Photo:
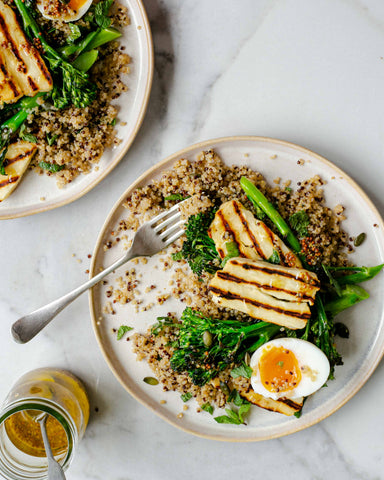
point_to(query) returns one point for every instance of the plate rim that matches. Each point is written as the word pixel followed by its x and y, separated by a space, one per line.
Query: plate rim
pixel 147 91
pixel 158 166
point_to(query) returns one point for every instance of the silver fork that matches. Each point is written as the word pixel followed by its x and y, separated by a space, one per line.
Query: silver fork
pixel 152 237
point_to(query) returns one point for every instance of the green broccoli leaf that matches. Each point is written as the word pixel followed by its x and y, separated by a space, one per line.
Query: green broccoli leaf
pixel 299 221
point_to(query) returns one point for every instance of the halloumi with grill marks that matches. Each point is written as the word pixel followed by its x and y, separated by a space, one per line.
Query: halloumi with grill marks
pixel 292 284
pixel 234 223
pixel 286 406
pixel 22 70
pixel 248 298
pixel 16 162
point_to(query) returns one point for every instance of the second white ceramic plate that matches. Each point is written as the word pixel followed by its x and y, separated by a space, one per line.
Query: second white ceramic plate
pixel 39 193
pixel 361 352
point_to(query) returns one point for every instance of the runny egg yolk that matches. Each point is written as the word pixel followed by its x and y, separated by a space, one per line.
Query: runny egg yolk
pixel 279 369
pixel 76 4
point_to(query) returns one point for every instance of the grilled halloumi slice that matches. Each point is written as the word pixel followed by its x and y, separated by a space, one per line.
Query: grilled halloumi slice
pixel 234 223
pixel 284 283
pixel 16 162
pixel 264 291
pixel 286 406
pixel 22 70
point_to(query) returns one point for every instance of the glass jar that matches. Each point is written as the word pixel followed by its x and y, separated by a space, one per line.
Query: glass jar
pixel 50 391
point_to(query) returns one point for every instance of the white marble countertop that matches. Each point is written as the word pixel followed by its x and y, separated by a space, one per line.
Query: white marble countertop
pixel 307 71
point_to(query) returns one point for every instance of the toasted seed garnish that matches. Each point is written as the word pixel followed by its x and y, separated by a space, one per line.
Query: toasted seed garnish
pixel 224 388
pixel 151 380
pixel 359 239
pixel 207 338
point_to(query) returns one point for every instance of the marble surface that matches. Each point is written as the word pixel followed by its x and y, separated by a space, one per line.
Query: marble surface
pixel 307 71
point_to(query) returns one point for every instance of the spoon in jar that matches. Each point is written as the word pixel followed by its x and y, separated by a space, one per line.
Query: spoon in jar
pixel 55 471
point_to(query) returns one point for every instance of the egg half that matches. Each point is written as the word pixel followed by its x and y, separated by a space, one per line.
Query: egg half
pixel 289 368
pixel 67 12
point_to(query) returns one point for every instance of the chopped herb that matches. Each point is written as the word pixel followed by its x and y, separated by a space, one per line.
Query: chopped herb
pixel 299 221
pixel 297 414
pixel 123 329
pixel 231 417
pixel 51 139
pixel 101 13
pixel 161 323
pixel 232 251
pixel 359 239
pixel 242 371
pixel 207 407
pixel 288 189
pixel 175 196
pixel 274 258
pixel 113 123
pixel 27 137
pixel 151 380
pixel 51 167
pixel 186 396
pixel 75 32
pixel 177 256
pixel 280 364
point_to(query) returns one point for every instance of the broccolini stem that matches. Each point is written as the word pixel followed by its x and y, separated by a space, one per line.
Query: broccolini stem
pixel 85 61
pixel 363 274
pixel 254 193
pixel 92 40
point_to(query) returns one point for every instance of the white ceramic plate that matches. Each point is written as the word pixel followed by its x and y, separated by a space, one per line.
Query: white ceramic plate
pixel 27 198
pixel 361 352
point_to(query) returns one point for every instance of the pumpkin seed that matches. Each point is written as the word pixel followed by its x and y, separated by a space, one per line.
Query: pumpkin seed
pixel 359 239
pixel 151 381
pixel 207 338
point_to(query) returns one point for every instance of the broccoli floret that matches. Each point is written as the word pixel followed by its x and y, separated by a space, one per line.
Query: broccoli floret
pixel 207 346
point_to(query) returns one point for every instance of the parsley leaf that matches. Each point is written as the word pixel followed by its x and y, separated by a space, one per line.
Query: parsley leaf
pixel 186 396
pixel 51 167
pixel 299 221
pixel 242 371
pixel 122 331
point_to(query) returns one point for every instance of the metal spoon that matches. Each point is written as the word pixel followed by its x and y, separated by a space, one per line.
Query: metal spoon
pixel 55 471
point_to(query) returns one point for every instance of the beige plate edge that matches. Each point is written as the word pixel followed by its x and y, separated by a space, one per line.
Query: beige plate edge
pixel 151 61
pixel 152 171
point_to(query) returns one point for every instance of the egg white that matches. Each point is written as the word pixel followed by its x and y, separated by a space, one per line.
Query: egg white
pixel 310 358
pixel 67 15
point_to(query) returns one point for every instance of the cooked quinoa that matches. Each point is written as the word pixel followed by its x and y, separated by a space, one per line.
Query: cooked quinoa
pixel 79 136
pixel 212 182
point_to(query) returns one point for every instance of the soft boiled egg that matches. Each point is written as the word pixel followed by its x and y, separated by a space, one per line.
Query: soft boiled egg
pixel 288 367
pixel 60 10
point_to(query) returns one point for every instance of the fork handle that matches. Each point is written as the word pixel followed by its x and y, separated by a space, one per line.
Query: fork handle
pixel 25 328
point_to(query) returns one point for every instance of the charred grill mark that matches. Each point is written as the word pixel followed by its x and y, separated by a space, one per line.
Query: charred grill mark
pixel 232 278
pixel 234 296
pixel 291 403
pixel 11 44
pixel 9 180
pixel 42 67
pixel 228 229
pixel 220 251
pixel 247 266
pixel 21 156
pixel 8 81
pixel 248 230
pixel 32 84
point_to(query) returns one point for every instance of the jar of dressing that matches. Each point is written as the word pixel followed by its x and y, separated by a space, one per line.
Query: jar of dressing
pixel 55 392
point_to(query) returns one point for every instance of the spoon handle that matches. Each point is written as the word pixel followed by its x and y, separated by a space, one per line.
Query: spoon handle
pixel 55 471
